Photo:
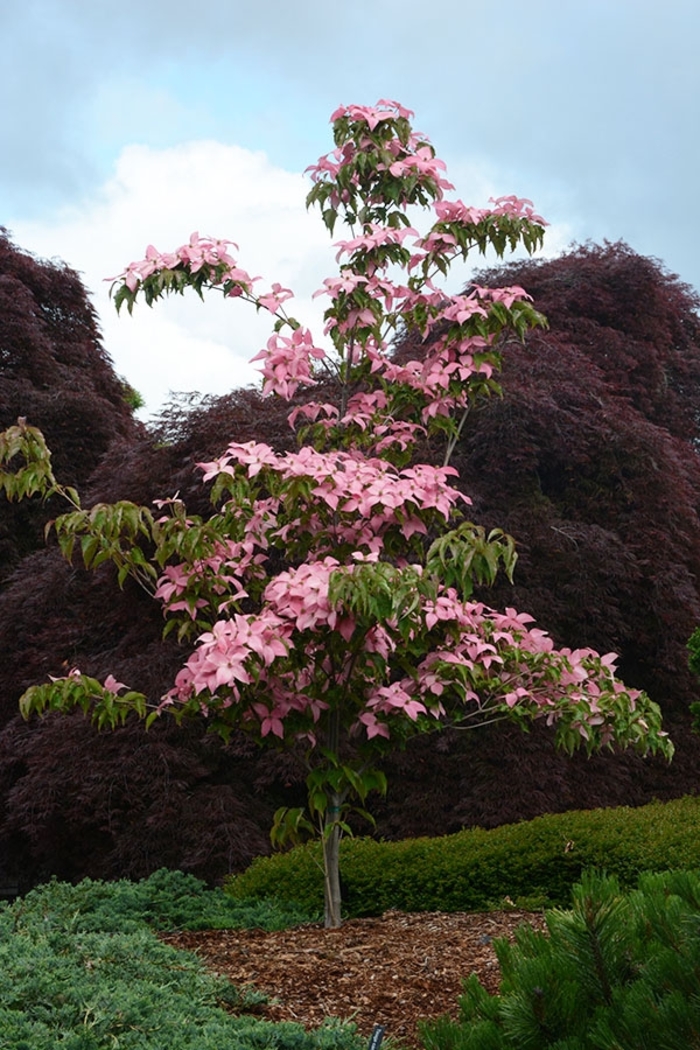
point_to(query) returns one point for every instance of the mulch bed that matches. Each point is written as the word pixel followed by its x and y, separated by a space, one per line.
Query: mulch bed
pixel 394 970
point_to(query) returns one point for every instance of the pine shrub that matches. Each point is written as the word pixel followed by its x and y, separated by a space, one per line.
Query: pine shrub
pixel 615 972
pixel 167 900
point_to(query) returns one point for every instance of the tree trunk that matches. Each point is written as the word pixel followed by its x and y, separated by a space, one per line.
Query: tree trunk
pixel 331 866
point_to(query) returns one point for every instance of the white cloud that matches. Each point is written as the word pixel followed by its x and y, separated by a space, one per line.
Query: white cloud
pixel 160 197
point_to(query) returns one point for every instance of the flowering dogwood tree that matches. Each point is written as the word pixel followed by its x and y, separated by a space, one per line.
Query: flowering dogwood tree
pixel 328 596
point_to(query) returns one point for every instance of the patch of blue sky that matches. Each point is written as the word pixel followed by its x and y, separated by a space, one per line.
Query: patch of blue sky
pixel 227 100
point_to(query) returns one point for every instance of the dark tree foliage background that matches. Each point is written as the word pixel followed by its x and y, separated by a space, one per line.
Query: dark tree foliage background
pixel 76 802
pixel 589 460
pixel 55 372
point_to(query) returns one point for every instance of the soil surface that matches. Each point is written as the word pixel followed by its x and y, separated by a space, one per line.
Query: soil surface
pixel 393 971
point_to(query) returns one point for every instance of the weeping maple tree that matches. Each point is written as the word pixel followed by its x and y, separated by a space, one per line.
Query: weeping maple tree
pixel 55 373
pixel 329 596
pixel 73 802
pixel 590 460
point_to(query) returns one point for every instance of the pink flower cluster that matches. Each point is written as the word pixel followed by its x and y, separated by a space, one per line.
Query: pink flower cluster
pixel 514 207
pixel 375 236
pixel 517 208
pixel 218 575
pixel 422 162
pixel 301 595
pixel 365 495
pixel 287 362
pixel 385 109
pixel 198 252
pixel 223 653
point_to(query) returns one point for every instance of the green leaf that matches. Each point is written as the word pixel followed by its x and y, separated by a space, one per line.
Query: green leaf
pixel 89 546
pixel 290 826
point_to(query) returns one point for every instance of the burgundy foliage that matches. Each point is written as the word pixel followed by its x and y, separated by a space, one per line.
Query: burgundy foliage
pixel 589 460
pixel 76 802
pixel 55 373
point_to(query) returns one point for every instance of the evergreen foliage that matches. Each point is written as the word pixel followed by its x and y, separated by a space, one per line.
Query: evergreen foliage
pixel 532 864
pixel 166 900
pixel 615 972
pixel 82 971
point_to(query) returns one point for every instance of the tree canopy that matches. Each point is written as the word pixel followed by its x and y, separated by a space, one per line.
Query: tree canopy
pixel 588 460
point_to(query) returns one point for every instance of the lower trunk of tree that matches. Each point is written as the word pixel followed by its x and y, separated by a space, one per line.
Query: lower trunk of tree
pixel 331 867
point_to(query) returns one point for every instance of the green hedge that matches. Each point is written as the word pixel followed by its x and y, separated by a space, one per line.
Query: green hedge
pixel 531 864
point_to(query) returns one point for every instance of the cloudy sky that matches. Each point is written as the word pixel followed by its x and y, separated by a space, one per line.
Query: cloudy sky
pixel 131 123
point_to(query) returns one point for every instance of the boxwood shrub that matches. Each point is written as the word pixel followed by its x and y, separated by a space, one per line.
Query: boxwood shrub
pixel 533 863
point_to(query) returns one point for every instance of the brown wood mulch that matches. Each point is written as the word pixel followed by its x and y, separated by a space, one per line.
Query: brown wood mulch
pixel 394 970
